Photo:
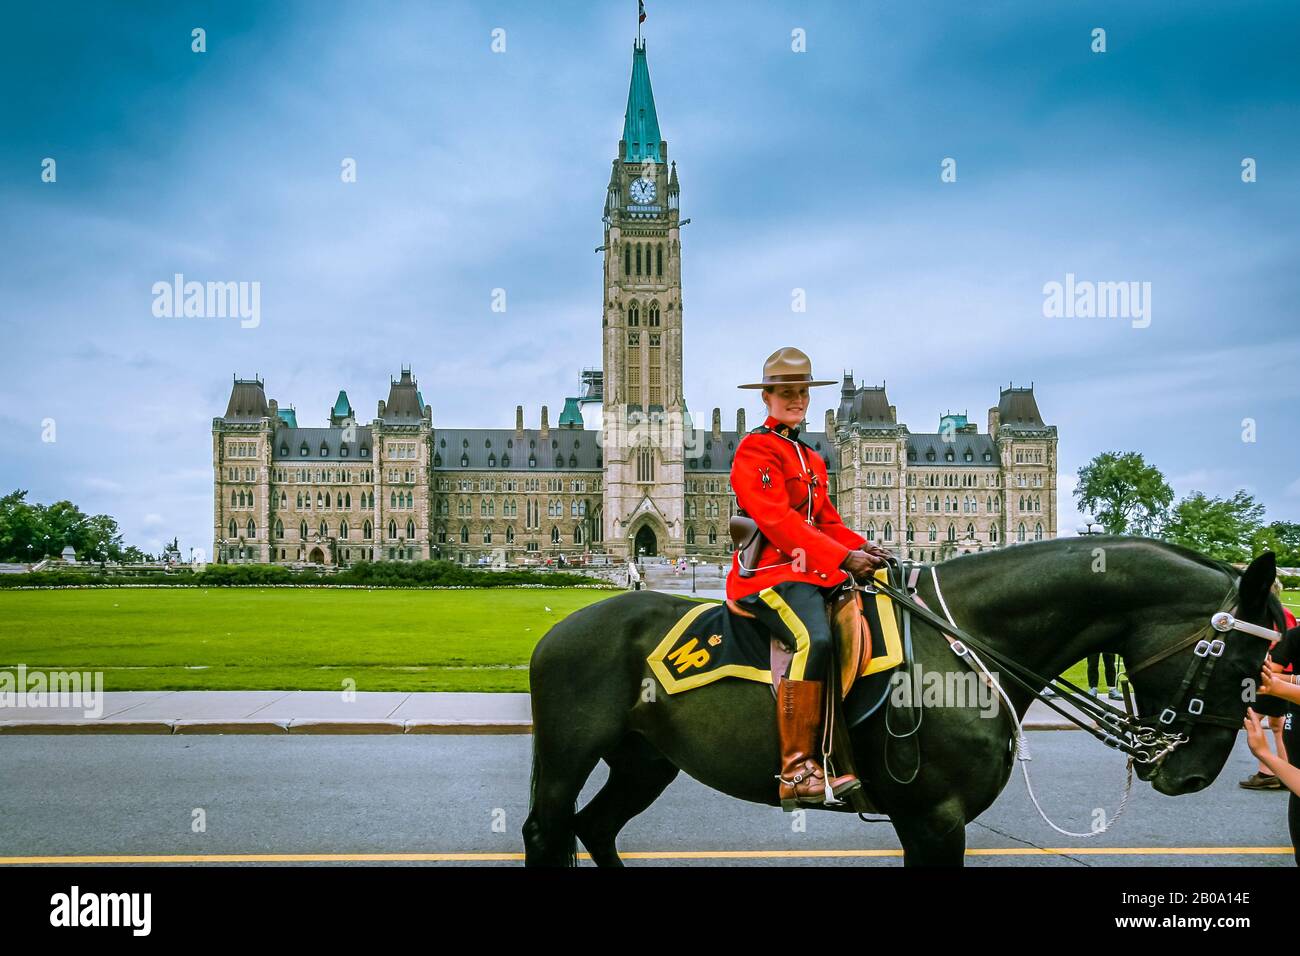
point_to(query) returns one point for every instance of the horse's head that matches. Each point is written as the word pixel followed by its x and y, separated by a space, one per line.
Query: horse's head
pixel 1161 685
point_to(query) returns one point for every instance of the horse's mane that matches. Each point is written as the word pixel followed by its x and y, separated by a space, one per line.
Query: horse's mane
pixel 1188 554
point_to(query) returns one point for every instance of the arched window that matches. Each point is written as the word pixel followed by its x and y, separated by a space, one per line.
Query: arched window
pixel 1020 532
pixel 347 500
pixel 392 499
pixel 690 535
pixel 392 530
pixel 659 260
pixel 970 531
pixel 654 314
pixel 952 532
pixel 343 531
pixel 302 530
pixel 279 528
pixel 252 529
pixel 889 531
pixel 993 533
pixel 911 532
pixel 633 315
pixel 555 532
pixel 1038 532
pixel 327 499
pixel 234 499
pixel 934 533
pixel 233 529
pixel 713 535
pixel 638 258
pixel 627 260
pixel 464 534
pixel 366 530
pixel 577 534
pixel 410 529
pixel 871 531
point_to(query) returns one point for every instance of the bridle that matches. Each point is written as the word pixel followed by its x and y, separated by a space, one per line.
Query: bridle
pixel 1147 740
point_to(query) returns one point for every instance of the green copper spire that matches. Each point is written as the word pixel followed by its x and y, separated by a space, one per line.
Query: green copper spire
pixel 640 123
pixel 571 417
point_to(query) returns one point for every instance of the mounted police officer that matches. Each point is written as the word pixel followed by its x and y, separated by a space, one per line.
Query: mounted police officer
pixel 806 551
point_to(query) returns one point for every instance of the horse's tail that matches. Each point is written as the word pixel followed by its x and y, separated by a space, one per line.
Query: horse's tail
pixel 539 845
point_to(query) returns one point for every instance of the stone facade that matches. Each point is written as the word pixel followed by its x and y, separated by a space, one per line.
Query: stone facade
pixel 645 480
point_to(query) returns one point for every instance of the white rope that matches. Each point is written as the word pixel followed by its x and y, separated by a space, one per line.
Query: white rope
pixel 1022 743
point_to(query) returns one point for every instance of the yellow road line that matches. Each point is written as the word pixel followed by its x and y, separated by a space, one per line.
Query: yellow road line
pixel 644 855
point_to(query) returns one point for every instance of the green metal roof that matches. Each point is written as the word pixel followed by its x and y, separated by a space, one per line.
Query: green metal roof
pixel 572 414
pixel 419 398
pixel 341 405
pixel 289 417
pixel 640 123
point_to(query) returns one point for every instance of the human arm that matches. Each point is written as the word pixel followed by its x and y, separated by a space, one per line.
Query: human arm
pixel 769 505
pixel 1286 774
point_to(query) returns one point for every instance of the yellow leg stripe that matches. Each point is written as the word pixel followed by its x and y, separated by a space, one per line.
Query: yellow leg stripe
pixel 791 620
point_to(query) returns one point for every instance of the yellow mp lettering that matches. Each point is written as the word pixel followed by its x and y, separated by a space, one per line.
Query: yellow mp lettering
pixel 686 656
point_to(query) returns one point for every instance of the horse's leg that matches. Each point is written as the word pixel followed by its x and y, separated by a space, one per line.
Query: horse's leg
pixel 934 836
pixel 560 768
pixel 637 776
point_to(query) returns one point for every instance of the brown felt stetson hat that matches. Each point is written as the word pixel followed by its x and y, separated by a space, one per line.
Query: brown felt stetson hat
pixel 787 366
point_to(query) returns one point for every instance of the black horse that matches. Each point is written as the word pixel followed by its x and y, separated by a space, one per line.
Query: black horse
pixel 1044 605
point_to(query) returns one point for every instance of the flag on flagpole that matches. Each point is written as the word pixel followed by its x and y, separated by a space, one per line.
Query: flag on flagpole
pixel 640 11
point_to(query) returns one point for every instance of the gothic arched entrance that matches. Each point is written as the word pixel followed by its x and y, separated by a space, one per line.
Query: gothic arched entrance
pixel 317 556
pixel 645 543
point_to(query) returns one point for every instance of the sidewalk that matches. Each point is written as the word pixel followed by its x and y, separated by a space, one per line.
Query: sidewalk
pixel 312 712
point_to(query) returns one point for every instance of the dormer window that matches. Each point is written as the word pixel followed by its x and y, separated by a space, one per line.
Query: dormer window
pixel 969 456
pixel 505 461
pixel 365 451
pixel 284 451
pixel 304 450
pixel 324 450
pixel 464 460
pixel 947 456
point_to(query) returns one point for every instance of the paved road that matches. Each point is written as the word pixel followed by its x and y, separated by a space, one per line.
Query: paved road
pixel 435 795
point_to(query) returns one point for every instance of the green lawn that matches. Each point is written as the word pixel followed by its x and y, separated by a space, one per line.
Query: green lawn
pixel 282 639
pixel 277 638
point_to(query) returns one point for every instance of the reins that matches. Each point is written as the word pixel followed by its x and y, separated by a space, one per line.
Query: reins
pixel 1143 740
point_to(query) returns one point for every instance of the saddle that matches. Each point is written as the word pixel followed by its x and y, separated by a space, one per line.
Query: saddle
pixel 852 637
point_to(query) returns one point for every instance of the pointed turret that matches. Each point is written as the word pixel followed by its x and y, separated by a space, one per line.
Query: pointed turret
pixel 641 140
pixel 342 411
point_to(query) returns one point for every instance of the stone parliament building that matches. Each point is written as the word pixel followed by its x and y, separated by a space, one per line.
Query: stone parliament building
pixel 647 481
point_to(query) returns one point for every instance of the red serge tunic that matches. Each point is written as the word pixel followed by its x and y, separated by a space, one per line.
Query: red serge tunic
pixel 781 483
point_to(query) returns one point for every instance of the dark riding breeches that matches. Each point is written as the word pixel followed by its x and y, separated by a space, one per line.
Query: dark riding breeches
pixel 795 611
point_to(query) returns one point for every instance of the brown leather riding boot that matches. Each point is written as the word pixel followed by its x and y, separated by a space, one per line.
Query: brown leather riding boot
pixel 799 718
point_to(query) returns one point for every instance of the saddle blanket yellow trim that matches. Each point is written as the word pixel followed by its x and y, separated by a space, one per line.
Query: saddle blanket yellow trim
pixel 701 647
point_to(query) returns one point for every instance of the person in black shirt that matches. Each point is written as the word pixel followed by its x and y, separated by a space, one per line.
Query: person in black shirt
pixel 1278 684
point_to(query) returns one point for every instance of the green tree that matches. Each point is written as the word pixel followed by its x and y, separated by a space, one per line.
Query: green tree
pixel 1227 529
pixel 1285 539
pixel 1124 493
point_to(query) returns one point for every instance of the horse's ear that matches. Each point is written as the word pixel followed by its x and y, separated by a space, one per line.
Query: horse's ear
pixel 1257 580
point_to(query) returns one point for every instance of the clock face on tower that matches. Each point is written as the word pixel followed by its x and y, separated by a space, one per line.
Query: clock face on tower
pixel 643 191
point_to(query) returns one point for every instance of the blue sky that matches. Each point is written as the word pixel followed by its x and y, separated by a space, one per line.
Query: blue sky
pixel 479 170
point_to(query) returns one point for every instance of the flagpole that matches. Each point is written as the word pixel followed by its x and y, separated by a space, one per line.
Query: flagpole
pixel 638 23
